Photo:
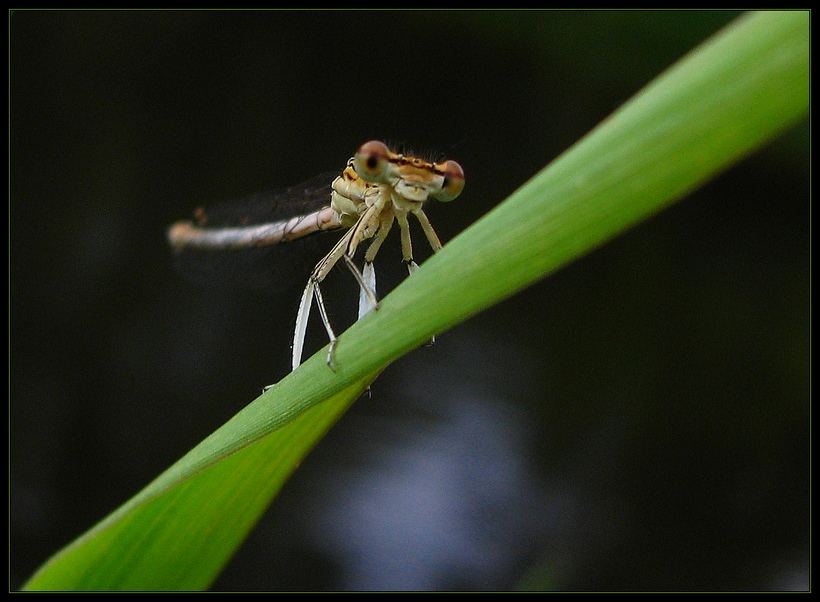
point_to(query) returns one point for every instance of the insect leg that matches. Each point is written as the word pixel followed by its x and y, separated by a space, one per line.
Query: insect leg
pixel 406 243
pixel 312 290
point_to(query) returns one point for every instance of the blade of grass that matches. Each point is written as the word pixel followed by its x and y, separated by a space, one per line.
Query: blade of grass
pixel 178 533
pixel 728 97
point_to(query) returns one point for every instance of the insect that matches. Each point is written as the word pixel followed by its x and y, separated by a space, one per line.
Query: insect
pixel 377 188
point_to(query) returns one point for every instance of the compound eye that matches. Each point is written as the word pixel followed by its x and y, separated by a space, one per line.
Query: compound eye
pixel 371 161
pixel 453 182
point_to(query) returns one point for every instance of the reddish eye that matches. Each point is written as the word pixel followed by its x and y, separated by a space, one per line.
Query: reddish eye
pixel 371 160
pixel 453 182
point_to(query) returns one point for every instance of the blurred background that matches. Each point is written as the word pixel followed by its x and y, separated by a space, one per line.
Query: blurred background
pixel 637 421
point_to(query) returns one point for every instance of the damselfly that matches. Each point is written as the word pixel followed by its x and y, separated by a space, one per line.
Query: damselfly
pixel 377 188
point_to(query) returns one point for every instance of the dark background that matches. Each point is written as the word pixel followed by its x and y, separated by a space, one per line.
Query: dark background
pixel 637 421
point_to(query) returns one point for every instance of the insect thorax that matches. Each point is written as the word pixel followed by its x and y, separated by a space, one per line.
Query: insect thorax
pixel 350 195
